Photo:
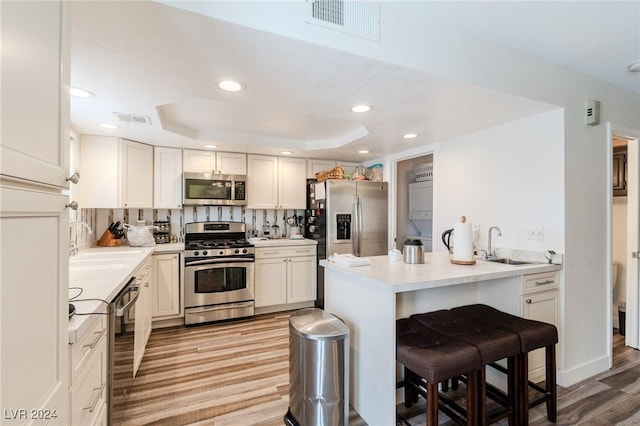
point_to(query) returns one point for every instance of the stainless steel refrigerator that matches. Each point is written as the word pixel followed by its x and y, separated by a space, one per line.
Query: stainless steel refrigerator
pixel 346 216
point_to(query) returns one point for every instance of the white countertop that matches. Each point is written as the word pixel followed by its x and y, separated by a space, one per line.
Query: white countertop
pixel 437 271
pixel 282 242
pixel 101 273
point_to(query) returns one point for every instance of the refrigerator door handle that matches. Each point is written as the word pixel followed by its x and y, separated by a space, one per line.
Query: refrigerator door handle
pixel 357 238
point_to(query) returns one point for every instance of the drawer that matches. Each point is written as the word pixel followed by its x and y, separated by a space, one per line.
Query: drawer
pixel 281 252
pixel 89 393
pixel 540 282
pixel 83 349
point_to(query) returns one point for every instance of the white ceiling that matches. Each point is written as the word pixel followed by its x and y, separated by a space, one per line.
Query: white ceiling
pixel 158 61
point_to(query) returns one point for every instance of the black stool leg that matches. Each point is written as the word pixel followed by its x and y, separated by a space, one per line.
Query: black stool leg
pixel 432 404
pixel 550 383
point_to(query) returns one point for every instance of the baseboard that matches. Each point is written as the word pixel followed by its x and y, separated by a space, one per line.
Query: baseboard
pixel 568 377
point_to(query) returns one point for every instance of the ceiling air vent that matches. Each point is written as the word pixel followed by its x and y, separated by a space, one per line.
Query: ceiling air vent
pixel 353 17
pixel 133 119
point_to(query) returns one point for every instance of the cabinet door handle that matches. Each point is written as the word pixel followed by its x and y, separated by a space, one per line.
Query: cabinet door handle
pixel 98 396
pixel 98 335
pixel 528 301
pixel 545 282
pixel 74 178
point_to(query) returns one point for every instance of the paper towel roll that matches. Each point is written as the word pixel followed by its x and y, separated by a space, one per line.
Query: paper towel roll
pixel 462 242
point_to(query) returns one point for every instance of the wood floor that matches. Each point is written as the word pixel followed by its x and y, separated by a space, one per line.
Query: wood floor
pixel 237 374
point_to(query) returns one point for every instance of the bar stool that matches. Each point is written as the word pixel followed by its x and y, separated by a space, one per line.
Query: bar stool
pixel 493 344
pixel 432 357
pixel 533 335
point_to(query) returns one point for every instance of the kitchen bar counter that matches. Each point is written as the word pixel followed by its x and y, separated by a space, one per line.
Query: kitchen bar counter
pixel 370 299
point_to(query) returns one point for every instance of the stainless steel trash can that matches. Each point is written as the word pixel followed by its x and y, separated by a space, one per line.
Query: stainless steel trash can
pixel 318 369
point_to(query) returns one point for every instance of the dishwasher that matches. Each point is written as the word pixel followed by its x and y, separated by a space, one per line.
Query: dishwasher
pixel 121 341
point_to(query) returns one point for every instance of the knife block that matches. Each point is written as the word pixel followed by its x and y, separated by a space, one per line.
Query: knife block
pixel 108 240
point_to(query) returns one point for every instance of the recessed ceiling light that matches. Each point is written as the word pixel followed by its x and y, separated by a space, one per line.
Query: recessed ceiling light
pixel 361 108
pixel 80 93
pixel 286 152
pixel 210 146
pixel 409 136
pixel 109 126
pixel 363 151
pixel 230 85
pixel 634 66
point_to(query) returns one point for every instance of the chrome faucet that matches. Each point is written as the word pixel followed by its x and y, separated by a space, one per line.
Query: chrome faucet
pixel 85 224
pixel 73 249
pixel 491 253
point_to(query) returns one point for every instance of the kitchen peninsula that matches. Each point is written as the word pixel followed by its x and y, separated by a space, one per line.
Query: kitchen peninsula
pixel 370 298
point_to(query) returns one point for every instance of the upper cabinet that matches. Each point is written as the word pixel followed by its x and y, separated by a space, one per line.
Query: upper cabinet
pixel 167 178
pixel 620 171
pixel 226 163
pixel 276 182
pixel 115 173
pixel 35 97
pixel 314 166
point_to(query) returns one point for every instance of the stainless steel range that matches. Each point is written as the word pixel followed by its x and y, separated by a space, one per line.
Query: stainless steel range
pixel 218 272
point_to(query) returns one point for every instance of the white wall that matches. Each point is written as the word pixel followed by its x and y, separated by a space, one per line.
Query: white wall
pixel 509 176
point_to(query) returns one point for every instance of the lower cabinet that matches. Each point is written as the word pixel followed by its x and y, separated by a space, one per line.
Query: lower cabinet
pixel 89 376
pixel 166 289
pixel 540 298
pixel 285 276
pixel 142 314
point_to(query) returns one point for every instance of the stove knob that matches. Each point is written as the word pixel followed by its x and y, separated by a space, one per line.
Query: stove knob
pixel 236 251
pixel 244 250
pixel 196 253
pixel 204 253
pixel 221 253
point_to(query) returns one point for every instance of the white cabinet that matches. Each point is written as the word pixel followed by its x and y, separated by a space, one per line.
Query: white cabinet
pixel 167 178
pixel 115 173
pixel 89 375
pixel 34 353
pixel 540 298
pixel 314 166
pixel 227 163
pixel 166 288
pixel 285 275
pixel 142 314
pixel 348 166
pixel 276 182
pixel 35 97
pixel 34 357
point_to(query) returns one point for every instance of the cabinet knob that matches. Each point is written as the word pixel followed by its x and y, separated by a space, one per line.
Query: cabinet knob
pixel 72 205
pixel 528 301
pixel 74 178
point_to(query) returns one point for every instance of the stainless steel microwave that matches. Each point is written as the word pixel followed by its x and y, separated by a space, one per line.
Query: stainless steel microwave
pixel 210 189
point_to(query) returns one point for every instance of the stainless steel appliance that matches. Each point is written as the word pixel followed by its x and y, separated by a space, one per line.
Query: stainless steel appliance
pixel 346 216
pixel 209 189
pixel 121 350
pixel 218 272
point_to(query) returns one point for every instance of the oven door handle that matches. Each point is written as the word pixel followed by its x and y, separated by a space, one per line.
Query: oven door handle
pixel 195 311
pixel 119 312
pixel 217 261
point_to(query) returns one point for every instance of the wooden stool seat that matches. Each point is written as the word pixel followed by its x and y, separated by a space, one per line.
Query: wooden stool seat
pixel 533 335
pixel 435 358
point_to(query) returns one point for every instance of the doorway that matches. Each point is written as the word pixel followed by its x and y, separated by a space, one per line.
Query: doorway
pixel 624 232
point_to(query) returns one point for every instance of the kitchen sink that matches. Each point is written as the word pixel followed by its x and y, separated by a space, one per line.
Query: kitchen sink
pixel 509 261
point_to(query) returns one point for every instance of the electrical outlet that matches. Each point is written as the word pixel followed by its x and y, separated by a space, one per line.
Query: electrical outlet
pixel 535 233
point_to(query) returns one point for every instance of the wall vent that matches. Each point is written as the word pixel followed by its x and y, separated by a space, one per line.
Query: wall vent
pixel 133 119
pixel 353 17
